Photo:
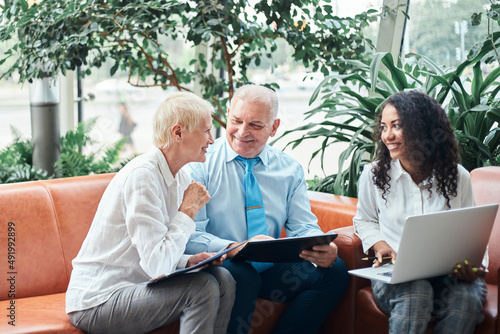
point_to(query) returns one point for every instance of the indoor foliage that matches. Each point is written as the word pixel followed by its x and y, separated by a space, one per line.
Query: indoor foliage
pixel 55 36
pixel 350 102
pixel 16 164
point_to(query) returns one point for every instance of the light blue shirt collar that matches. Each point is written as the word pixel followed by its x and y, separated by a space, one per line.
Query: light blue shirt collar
pixel 222 220
pixel 231 154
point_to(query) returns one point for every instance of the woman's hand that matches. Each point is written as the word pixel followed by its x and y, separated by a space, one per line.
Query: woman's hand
pixel 197 258
pixel 382 249
pixel 195 197
pixel 465 272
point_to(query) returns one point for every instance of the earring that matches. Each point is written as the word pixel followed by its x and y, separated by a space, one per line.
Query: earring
pixel 180 140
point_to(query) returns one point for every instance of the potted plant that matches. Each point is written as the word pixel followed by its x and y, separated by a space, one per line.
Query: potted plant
pixel 350 102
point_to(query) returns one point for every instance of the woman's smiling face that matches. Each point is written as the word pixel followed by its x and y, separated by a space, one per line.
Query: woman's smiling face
pixel 392 133
pixel 196 142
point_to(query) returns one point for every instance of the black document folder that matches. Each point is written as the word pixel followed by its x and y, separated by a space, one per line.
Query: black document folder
pixel 281 250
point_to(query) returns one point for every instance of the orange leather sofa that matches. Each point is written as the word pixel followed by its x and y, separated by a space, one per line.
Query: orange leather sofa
pixel 368 318
pixel 42 227
pixel 43 224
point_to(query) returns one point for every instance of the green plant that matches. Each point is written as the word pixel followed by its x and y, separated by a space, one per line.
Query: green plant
pixel 16 163
pixel 350 103
pixel 474 105
pixel 19 152
pixel 55 36
pixel 492 16
pixel 21 173
pixel 73 162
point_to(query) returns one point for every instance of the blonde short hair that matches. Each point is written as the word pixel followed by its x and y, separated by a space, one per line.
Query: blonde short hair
pixel 182 108
pixel 257 93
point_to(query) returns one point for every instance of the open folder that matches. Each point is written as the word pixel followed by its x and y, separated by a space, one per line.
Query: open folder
pixel 194 268
pixel 281 250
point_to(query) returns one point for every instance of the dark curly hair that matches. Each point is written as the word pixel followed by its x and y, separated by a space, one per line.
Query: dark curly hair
pixel 429 142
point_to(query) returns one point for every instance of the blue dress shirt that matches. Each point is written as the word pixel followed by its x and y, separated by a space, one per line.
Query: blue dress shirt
pixel 222 221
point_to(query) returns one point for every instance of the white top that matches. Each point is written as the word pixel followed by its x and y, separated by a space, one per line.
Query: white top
pixel 137 233
pixel 377 220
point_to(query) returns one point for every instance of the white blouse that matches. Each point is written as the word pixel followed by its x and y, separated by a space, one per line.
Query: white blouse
pixel 378 220
pixel 137 233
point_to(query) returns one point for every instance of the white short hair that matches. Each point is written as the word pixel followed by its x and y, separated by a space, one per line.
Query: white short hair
pixel 257 93
pixel 182 108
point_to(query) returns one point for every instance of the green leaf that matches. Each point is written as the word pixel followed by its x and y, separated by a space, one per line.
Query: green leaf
pixel 494 114
pixel 477 81
pixel 24 5
pixel 476 19
pixel 213 22
pixel 490 79
pixel 114 68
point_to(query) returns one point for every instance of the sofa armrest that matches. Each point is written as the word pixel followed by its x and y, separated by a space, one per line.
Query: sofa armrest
pixel 498 303
pixel 341 319
pixel 351 252
pixel 350 249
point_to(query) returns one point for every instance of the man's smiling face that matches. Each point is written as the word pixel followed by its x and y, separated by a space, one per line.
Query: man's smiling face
pixel 249 126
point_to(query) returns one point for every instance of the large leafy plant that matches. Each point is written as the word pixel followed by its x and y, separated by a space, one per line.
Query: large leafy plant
pixel 55 36
pixel 350 103
pixel 16 164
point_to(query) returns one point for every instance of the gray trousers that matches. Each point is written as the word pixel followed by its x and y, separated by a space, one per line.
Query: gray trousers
pixel 202 301
pixel 455 305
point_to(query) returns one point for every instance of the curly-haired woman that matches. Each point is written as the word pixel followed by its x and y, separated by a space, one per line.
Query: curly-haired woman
pixel 416 171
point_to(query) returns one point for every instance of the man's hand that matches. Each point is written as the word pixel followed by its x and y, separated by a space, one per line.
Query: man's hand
pixel 322 255
pixel 195 197
pixel 200 257
pixel 235 251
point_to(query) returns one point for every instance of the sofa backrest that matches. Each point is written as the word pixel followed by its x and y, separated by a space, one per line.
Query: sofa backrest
pixel 75 204
pixel 332 211
pixel 47 221
pixel 30 241
pixel 486 186
pixel 42 227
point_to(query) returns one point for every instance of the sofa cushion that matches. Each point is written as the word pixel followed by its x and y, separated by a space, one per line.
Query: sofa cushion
pixel 42 314
pixel 37 265
pixel 46 314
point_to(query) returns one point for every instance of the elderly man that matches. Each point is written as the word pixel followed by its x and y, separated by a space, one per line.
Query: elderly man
pixel 256 190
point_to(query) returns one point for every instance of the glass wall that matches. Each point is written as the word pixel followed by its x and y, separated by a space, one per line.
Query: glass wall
pixel 439 29
pixel 442 30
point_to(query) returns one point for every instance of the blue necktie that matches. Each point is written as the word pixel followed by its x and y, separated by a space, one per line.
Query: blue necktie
pixel 254 207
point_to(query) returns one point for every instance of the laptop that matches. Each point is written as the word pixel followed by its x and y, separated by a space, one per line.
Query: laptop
pixel 432 244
